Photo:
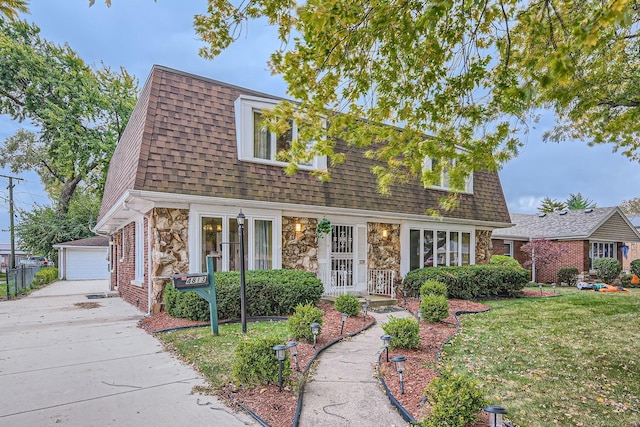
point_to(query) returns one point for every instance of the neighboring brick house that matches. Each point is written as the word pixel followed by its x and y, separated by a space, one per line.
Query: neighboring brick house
pixel 194 155
pixel 588 234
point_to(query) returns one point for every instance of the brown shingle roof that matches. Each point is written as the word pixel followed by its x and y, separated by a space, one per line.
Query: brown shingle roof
pixel 98 241
pixel 181 139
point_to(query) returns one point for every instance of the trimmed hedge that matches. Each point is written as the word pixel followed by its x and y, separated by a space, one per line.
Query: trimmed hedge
pixel 471 281
pixel 269 293
pixel 256 364
pixel 608 269
pixel 45 275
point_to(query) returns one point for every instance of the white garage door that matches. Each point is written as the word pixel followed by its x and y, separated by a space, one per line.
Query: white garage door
pixel 83 263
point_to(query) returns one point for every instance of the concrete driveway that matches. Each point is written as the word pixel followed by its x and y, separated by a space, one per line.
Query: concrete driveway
pixel 67 360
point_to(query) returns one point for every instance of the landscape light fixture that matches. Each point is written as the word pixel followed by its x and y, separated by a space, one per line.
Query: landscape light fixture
pixel 495 415
pixel 404 294
pixel 343 317
pixel 281 353
pixel 243 292
pixel 386 341
pixel 293 349
pixel 419 315
pixel 385 233
pixel 540 286
pixel 315 329
pixel 553 285
pixel 364 310
pixel 400 363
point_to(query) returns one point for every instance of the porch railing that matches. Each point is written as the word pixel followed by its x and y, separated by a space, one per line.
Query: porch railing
pixel 338 282
pixel 381 282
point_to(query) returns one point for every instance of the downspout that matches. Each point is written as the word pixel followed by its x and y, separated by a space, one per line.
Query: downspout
pixel 533 263
pixel 149 285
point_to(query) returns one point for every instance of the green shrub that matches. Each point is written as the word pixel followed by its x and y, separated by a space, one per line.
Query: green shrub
pixel 625 279
pixel 431 287
pixel 568 275
pixel 505 261
pixel 303 316
pixel 608 269
pixel 434 308
pixel 635 267
pixel 256 364
pixel 455 400
pixel 45 275
pixel 404 332
pixel 471 281
pixel 269 293
pixel 187 305
pixel 347 303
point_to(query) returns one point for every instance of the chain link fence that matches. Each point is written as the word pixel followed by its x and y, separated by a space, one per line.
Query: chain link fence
pixel 20 279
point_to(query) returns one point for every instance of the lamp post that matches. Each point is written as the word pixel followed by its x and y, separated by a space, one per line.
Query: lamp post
pixel 281 351
pixel 293 348
pixel 243 296
pixel 495 415
pixel 315 329
pixel 400 363
pixel 386 341
pixel 343 317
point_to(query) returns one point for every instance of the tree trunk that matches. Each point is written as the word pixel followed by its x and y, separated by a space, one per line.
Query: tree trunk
pixel 68 189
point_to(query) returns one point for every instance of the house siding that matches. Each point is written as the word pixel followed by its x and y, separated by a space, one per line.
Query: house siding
pixel 135 294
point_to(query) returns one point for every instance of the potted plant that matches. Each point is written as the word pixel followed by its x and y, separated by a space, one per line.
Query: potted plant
pixel 323 228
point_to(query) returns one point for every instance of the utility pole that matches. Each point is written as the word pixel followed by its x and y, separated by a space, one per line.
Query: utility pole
pixel 12 257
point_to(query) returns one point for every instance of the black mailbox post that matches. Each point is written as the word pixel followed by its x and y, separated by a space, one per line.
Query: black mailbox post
pixel 203 285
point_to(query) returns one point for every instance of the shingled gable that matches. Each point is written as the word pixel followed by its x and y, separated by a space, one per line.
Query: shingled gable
pixel 607 223
pixel 181 139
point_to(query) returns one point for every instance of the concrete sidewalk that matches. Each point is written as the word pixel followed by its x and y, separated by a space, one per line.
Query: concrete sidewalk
pixel 72 361
pixel 343 389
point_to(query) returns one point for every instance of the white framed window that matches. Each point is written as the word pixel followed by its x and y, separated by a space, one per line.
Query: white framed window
pixel 508 248
pixel 256 143
pixel 443 184
pixel 602 250
pixel 219 237
pixel 139 250
pixel 432 248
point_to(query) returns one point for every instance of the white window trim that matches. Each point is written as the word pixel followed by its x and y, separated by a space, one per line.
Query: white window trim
pixel 510 243
pixel 405 250
pixel 428 163
pixel 244 108
pixel 139 252
pixel 592 242
pixel 195 238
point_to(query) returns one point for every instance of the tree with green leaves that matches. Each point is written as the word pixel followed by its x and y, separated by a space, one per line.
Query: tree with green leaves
pixel 466 73
pixel 548 205
pixel 631 206
pixel 576 202
pixel 45 226
pixel 11 8
pixel 77 113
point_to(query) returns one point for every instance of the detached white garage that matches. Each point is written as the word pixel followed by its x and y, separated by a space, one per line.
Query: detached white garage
pixel 83 259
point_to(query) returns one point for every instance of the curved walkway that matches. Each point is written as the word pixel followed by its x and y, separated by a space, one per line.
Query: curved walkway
pixel 343 390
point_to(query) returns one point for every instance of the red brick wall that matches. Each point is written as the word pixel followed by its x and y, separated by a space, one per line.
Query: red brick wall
pixel 125 271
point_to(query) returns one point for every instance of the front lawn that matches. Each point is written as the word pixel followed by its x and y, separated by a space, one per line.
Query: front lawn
pixel 572 360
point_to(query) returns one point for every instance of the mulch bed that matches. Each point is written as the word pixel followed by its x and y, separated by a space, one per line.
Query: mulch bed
pixel 278 408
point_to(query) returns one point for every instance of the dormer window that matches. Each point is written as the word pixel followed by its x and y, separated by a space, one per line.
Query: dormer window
pixel 443 184
pixel 256 143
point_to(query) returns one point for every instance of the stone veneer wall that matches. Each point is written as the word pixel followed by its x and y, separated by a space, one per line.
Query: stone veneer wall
pixel 483 246
pixel 169 249
pixel 383 254
pixel 299 249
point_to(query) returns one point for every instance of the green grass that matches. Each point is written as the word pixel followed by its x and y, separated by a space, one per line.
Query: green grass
pixel 213 355
pixel 572 360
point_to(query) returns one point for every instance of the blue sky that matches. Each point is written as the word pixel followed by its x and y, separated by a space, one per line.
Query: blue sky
pixel 136 34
